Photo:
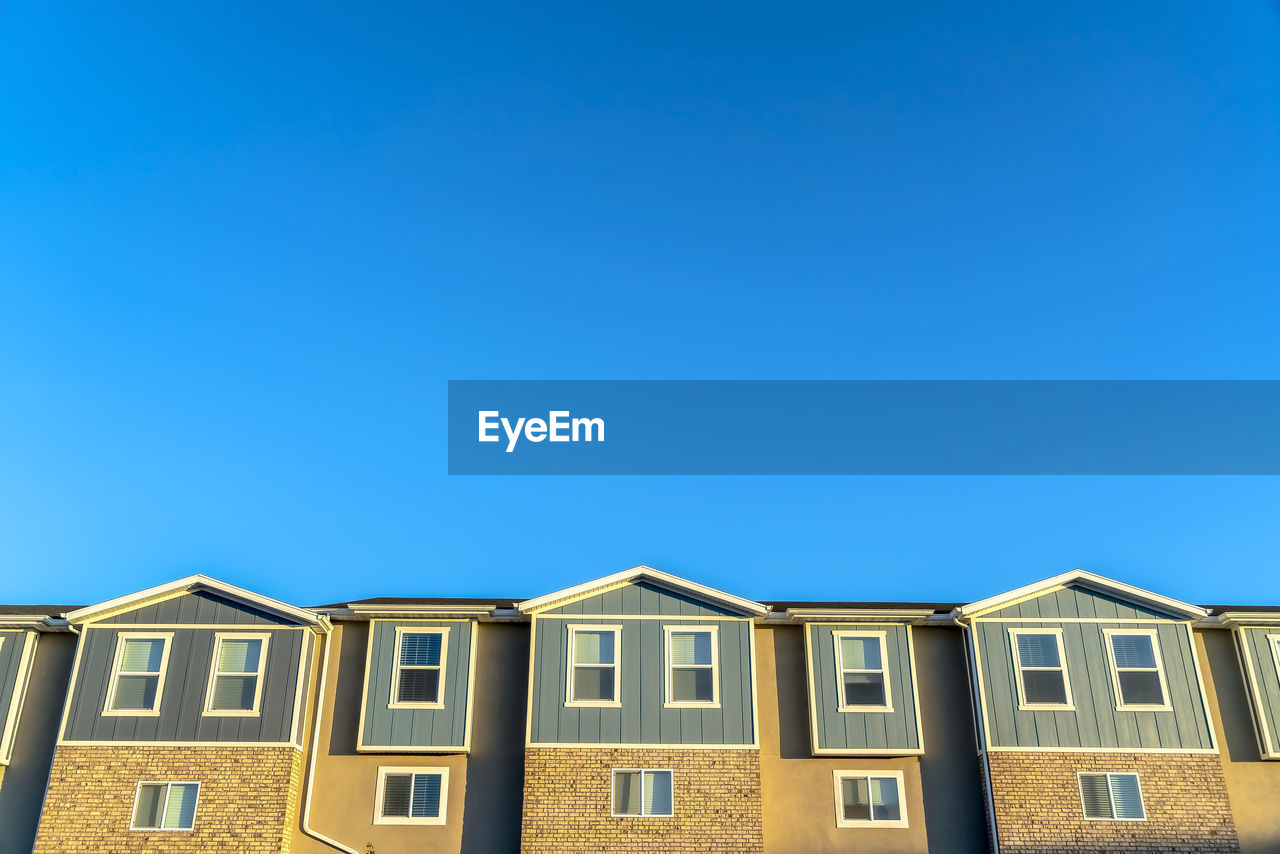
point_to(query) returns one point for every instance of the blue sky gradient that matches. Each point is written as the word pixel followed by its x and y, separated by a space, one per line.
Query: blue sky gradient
pixel 244 246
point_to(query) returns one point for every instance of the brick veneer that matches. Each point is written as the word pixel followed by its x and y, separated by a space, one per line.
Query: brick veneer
pixel 248 799
pixel 568 790
pixel 1038 808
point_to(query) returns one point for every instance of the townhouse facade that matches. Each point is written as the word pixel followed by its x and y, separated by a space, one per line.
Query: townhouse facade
pixel 640 712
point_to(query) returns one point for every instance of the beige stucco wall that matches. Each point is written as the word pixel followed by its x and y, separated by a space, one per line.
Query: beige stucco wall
pixel 942 795
pixel 1253 784
pixel 345 782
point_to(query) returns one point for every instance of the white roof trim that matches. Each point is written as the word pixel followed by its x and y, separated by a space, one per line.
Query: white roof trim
pixel 165 591
pixel 648 573
pixel 1086 579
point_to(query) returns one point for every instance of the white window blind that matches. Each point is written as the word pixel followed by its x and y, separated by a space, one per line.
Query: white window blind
pixel 1112 796
pixel 137 680
pixel 870 799
pixel 411 796
pixel 237 674
pixel 692 667
pixel 420 667
pixel 1040 668
pixel 1137 670
pixel 642 792
pixel 165 806
pixel 863 678
pixel 595 660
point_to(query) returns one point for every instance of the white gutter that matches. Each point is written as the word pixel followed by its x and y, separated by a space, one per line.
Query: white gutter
pixel 327 640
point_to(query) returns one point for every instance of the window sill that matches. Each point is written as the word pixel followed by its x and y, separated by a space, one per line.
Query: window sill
pixel 410 821
pixel 874 825
pixel 1132 708
pixel 593 704
pixel 439 705
pixel 130 713
pixel 883 710
pixel 690 704
pixel 1045 707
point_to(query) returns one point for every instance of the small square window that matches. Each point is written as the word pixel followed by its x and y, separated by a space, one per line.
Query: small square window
pixel 165 806
pixel 869 799
pixel 411 796
pixel 1112 797
pixel 642 793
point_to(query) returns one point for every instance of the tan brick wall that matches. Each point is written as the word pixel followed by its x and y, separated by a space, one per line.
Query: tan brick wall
pixel 1038 808
pixel 567 802
pixel 248 799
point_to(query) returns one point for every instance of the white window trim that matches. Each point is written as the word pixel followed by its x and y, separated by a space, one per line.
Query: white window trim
pixel 883 639
pixel 384 770
pixel 1110 795
pixel 616 702
pixel 401 631
pixel 613 783
pixel 1121 705
pixel 260 674
pixel 668 701
pixel 838 776
pixel 164 807
pixel 1023 705
pixel 154 711
pixel 1273 641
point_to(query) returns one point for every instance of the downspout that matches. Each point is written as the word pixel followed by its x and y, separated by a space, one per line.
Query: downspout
pixel 980 733
pixel 326 639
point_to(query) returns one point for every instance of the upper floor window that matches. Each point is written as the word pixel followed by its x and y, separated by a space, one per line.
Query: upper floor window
pixel 1041 668
pixel 861 671
pixel 692 671
pixel 138 674
pixel 593 665
pixel 417 679
pixel 165 806
pixel 1112 797
pixel 235 686
pixel 642 792
pixel 411 796
pixel 869 799
pixel 1136 669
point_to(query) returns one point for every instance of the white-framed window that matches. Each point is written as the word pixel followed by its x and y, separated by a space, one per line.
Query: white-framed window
pixel 165 806
pixel 862 672
pixel 1112 797
pixel 137 674
pixel 1137 671
pixel 417 678
pixel 1040 661
pixel 235 679
pixel 594 652
pixel 411 796
pixel 869 799
pixel 693 665
pixel 642 793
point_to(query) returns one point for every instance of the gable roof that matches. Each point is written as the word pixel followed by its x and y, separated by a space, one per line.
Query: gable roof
pixel 191 583
pixel 653 576
pixel 1091 580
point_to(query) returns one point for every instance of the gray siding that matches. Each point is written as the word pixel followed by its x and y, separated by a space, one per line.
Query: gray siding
pixel 643 598
pixel 642 719
pixel 1077 601
pixel 382 726
pixel 199 607
pixel 1264 680
pixel 1094 722
pixel 11 648
pixel 182 700
pixel 856 730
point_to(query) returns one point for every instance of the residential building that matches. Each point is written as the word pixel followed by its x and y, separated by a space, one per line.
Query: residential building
pixel 640 712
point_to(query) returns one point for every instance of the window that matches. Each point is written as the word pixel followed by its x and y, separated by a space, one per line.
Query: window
pixel 411 796
pixel 1136 670
pixel 1275 650
pixel 593 665
pixel 417 680
pixel 165 806
pixel 1112 797
pixel 1041 669
pixel 861 671
pixel 642 793
pixel 869 799
pixel 235 686
pixel 692 666
pixel 138 674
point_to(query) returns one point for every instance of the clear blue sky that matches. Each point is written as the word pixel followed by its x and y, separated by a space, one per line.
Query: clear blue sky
pixel 244 245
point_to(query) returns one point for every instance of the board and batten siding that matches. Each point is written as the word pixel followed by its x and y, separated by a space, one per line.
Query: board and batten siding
pixel 861 731
pixel 13 644
pixel 642 717
pixel 1094 723
pixel 199 607
pixel 186 683
pixel 404 729
pixel 1256 647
